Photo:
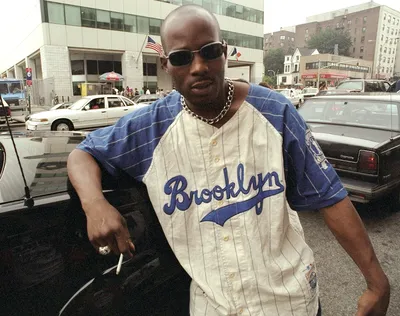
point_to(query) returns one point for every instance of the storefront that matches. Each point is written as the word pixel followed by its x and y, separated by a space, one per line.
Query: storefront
pixel 331 79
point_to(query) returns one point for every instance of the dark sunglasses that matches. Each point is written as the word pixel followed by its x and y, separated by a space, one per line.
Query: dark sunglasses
pixel 184 57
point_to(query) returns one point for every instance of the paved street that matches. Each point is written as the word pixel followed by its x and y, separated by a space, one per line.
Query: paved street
pixel 340 280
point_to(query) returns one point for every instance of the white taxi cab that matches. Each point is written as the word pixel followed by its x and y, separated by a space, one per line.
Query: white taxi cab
pixel 89 112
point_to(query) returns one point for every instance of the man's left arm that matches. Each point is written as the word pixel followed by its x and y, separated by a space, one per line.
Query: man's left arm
pixel 345 223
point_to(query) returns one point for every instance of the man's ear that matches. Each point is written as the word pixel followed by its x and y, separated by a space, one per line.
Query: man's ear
pixel 164 64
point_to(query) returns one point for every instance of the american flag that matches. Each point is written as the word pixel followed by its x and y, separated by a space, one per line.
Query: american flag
pixel 154 46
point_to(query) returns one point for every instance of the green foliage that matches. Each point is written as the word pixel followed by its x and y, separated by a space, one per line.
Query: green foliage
pixel 271 80
pixel 326 39
pixel 274 60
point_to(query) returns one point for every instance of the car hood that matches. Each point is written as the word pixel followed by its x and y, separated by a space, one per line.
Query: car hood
pixel 43 157
pixel 54 113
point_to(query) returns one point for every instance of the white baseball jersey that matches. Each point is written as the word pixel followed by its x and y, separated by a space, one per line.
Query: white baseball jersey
pixel 225 198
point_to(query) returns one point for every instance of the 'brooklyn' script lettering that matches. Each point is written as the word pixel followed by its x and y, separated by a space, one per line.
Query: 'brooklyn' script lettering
pixel 266 185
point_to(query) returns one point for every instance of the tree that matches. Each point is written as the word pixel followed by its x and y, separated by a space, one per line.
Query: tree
pixel 325 41
pixel 270 80
pixel 274 60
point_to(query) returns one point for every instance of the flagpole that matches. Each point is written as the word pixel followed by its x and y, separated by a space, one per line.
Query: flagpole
pixel 141 50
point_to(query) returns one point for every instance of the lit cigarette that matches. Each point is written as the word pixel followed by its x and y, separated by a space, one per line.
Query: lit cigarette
pixel 121 257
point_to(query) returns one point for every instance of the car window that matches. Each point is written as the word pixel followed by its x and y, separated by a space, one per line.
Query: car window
pixel 128 102
pixel 373 86
pixel 350 85
pixel 96 104
pixel 378 114
pixel 115 102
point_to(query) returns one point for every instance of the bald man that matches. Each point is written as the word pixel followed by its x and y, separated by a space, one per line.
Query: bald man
pixel 227 166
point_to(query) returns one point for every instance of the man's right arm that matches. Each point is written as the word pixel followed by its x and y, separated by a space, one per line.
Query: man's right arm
pixel 105 225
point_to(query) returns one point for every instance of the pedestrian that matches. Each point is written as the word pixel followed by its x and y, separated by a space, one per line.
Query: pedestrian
pixel 226 165
pixel 136 92
pixel 322 86
pixel 148 91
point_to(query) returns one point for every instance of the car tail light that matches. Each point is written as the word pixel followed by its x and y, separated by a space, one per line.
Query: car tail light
pixel 368 162
pixel 8 112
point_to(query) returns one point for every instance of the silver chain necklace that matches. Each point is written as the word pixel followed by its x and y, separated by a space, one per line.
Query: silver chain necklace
pixel 231 91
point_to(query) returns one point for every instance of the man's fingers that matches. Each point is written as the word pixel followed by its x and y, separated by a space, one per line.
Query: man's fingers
pixel 124 242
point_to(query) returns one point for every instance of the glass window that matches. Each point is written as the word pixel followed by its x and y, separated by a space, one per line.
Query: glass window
pixel 92 68
pixel 239 12
pixel 55 12
pixel 114 102
pixel 72 15
pixel 118 67
pixel 154 26
pixel 103 19
pixel 3 88
pixel 231 10
pixel 149 69
pixel 76 88
pixel 88 17
pixel 130 23
pixel 117 21
pixel 260 17
pixel 15 87
pixel 105 66
pixel 96 104
pixel 77 67
pixel 177 2
pixel 142 25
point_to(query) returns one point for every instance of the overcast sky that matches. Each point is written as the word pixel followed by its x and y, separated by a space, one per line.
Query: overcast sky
pixel 283 13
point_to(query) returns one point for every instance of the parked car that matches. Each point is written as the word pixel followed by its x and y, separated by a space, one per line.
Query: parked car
pixel 293 96
pixel 48 265
pixel 88 112
pixel 147 98
pixel 307 93
pixel 364 85
pixel 360 136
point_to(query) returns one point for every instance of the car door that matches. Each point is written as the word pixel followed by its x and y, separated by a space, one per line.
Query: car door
pixel 93 114
pixel 116 109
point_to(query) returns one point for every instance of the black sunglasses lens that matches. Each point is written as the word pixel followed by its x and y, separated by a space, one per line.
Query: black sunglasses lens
pixel 212 51
pixel 180 58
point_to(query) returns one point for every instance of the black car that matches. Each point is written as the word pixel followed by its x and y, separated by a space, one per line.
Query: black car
pixel 47 264
pixel 360 136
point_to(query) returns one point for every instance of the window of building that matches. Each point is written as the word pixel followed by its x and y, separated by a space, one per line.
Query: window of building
pixel 384 16
pixel 382 37
pixel 143 25
pixel 88 17
pixel 355 31
pixel 361 57
pixel 354 40
pixel 385 49
pixel 354 49
pixel 105 66
pixel 356 20
pixel 117 21
pixel 364 29
pixel 154 26
pixel 72 15
pixel 349 22
pixel 282 37
pixel 390 50
pixel 365 19
pixel 118 67
pixel 92 68
pixel 362 39
pixel 337 25
pixel 55 13
pixel 130 24
pixel 77 67
pixel 362 49
pixel 149 69
pixel 76 88
pixel 103 19
pixel 383 27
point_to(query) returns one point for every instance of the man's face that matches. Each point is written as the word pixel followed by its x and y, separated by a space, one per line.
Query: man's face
pixel 200 82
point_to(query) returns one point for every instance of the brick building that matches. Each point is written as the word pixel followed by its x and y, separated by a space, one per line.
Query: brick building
pixel 284 39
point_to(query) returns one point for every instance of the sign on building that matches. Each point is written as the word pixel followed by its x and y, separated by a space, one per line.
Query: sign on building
pixel 29 77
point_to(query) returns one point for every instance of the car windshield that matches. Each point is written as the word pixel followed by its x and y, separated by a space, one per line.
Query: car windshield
pixel 368 113
pixel 310 90
pixel 286 93
pixel 79 104
pixel 350 85
pixel 15 87
pixel 3 88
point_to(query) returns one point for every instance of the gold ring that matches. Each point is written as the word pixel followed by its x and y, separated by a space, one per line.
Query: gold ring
pixel 104 250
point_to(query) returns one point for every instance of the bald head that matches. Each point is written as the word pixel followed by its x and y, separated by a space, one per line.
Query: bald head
pixel 177 18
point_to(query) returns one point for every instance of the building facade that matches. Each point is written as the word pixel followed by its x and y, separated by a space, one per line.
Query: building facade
pixel 283 39
pixel 291 71
pixel 331 69
pixel 69 42
pixel 374 30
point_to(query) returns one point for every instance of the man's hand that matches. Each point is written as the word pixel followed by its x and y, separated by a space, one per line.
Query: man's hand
pixel 374 303
pixel 107 227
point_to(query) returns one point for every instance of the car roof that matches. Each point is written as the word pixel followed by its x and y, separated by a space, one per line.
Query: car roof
pixel 378 96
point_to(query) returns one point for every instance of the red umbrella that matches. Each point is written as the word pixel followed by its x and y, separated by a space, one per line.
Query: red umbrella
pixel 111 76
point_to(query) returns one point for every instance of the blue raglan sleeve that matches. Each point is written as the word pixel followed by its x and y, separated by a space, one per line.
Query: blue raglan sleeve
pixel 128 146
pixel 311 181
